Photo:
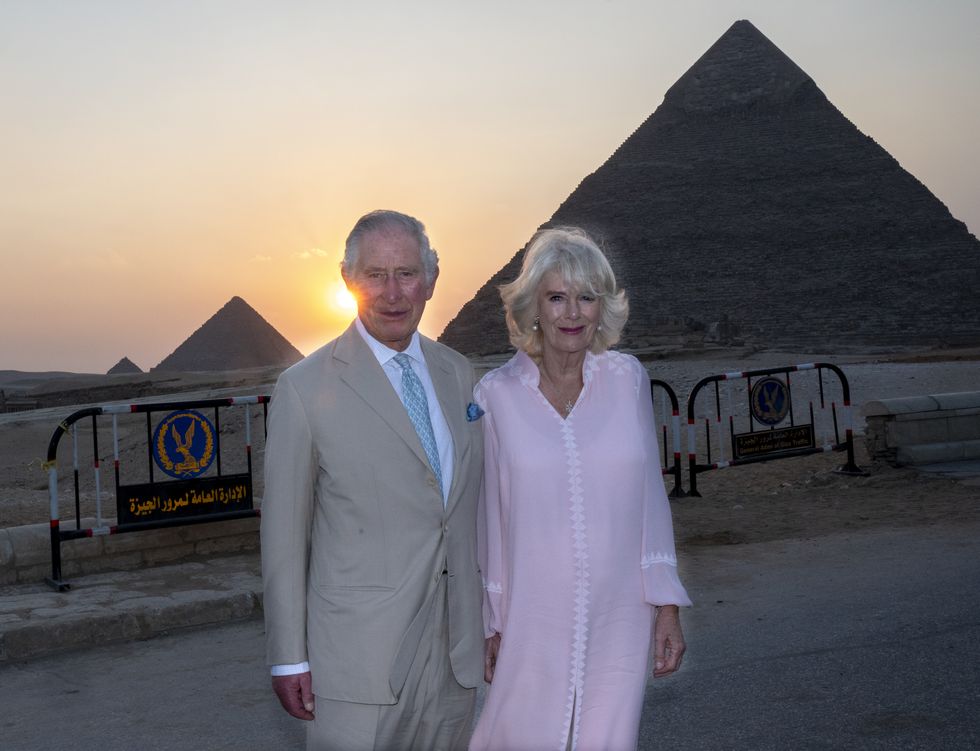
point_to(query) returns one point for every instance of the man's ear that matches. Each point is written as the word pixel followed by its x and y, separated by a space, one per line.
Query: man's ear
pixel 347 280
pixel 432 284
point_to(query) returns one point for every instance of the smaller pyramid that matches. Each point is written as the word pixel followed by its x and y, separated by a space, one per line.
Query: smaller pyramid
pixel 124 366
pixel 234 338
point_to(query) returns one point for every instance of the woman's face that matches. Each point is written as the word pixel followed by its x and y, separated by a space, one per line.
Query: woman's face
pixel 568 317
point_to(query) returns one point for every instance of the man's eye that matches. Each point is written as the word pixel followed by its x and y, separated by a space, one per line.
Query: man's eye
pixel 407 274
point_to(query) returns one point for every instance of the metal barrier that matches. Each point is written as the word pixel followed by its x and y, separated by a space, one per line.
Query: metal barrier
pixel 770 402
pixel 675 421
pixel 185 445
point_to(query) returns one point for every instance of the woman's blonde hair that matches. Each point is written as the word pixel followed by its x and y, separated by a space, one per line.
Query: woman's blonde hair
pixel 573 254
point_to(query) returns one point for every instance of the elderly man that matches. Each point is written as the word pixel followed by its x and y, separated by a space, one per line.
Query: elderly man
pixel 372 471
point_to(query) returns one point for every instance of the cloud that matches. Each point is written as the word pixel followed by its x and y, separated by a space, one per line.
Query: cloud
pixel 260 259
pixel 306 255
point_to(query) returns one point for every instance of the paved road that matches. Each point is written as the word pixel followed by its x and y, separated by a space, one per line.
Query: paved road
pixel 859 641
pixel 863 641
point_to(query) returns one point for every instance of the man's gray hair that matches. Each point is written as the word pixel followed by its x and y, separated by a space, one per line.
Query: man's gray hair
pixel 385 220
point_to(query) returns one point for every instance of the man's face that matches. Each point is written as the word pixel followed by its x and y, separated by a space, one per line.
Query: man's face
pixel 390 286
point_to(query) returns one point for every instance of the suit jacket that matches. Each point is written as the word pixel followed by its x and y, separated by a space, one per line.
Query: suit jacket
pixel 354 533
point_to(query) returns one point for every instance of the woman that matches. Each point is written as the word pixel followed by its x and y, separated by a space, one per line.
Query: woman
pixel 576 542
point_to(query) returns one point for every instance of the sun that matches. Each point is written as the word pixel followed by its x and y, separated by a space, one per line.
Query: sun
pixel 342 299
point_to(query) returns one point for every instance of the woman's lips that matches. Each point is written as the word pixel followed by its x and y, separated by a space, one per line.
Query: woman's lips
pixel 572 332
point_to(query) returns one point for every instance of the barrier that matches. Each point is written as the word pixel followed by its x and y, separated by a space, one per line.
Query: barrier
pixel 770 402
pixel 185 446
pixel 667 393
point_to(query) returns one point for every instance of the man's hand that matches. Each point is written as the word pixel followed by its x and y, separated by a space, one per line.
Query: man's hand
pixel 668 641
pixel 295 693
pixel 490 657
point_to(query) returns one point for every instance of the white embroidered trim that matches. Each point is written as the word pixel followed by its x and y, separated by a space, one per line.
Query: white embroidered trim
pixel 652 558
pixel 493 587
pixel 573 709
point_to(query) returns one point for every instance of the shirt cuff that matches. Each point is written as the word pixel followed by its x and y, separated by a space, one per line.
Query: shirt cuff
pixel 293 669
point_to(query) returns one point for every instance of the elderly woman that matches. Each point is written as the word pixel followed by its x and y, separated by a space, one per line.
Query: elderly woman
pixel 576 542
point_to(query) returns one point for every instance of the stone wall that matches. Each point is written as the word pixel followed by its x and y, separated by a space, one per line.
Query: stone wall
pixel 924 429
pixel 25 552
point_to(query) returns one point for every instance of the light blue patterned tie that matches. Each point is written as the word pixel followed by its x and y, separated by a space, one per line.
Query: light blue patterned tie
pixel 413 395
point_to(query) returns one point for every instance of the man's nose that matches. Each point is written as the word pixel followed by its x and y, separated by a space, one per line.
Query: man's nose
pixel 392 289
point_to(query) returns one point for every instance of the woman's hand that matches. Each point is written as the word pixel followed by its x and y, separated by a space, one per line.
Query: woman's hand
pixel 668 641
pixel 490 657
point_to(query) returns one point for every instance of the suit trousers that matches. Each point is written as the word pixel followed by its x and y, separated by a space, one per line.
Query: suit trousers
pixel 433 712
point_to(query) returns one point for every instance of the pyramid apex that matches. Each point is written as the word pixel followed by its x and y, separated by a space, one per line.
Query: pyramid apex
pixel 235 337
pixel 743 68
pixel 125 365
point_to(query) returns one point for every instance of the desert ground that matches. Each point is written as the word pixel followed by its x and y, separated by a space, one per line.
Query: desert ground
pixel 786 499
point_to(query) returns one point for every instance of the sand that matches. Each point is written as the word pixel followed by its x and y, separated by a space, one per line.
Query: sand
pixel 793 498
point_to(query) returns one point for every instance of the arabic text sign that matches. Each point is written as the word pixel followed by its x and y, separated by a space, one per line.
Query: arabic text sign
pixel 773 441
pixel 183 498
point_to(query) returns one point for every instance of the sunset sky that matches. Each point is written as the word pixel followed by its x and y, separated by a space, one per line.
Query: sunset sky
pixel 157 158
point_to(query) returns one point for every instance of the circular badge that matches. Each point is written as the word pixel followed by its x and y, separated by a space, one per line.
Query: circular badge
pixel 183 444
pixel 770 401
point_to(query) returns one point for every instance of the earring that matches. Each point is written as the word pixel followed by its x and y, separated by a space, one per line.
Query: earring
pixel 599 327
pixel 536 325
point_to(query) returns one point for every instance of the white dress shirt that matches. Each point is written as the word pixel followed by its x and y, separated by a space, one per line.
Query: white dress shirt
pixel 440 428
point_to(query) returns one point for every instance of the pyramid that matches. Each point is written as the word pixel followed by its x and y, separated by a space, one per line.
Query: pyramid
pixel 234 338
pixel 748 204
pixel 124 366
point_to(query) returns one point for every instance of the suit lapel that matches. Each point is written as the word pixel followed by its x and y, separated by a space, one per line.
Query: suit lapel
pixel 451 400
pixel 364 375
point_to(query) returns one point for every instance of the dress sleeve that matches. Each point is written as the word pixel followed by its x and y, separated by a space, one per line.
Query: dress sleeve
pixel 491 528
pixel 661 585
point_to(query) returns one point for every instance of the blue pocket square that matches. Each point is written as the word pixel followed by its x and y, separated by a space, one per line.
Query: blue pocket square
pixel 473 412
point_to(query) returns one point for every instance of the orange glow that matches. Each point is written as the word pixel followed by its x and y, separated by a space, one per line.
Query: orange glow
pixel 342 299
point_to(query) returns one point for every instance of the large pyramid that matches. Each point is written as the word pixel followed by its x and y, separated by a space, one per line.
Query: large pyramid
pixel 748 199
pixel 234 338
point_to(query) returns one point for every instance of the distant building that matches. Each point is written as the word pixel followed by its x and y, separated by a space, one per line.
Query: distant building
pixel 16 402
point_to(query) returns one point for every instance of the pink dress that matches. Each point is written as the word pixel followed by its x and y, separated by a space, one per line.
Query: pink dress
pixel 576 546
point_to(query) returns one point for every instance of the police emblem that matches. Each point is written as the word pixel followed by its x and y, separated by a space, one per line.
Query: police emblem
pixel 184 444
pixel 769 401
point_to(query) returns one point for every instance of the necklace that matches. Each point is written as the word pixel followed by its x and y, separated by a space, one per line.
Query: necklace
pixel 562 403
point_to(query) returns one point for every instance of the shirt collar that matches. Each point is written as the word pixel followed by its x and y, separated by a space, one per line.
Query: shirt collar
pixel 383 352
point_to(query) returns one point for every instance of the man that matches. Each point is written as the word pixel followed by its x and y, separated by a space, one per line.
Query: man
pixel 372 471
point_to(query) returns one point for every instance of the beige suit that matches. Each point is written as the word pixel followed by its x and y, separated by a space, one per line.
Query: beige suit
pixel 355 537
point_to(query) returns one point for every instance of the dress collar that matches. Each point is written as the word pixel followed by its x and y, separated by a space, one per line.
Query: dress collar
pixel 530 374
